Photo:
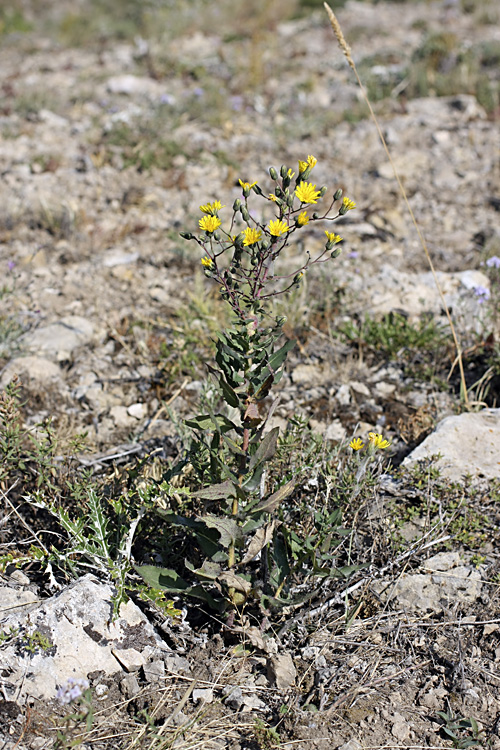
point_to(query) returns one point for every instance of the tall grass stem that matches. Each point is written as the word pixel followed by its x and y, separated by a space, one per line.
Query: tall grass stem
pixel 337 30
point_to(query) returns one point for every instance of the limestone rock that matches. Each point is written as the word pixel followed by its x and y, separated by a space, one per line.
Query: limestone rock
pixel 75 636
pixel 468 444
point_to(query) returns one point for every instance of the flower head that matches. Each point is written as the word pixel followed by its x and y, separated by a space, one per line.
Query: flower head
pixel 332 237
pixel 482 292
pixel 377 440
pixel 306 192
pixel 309 164
pixel 247 186
pixel 251 236
pixel 211 208
pixel 302 219
pixel 72 690
pixel 356 444
pixel 209 223
pixel 207 262
pixel 277 227
pixel 272 197
pixel 347 205
pixel 290 174
pixel 493 262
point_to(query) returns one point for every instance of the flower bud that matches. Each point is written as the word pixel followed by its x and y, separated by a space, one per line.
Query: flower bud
pixel 289 201
pixel 283 171
pixel 244 213
pixel 187 235
pixel 281 320
pixel 338 194
pixel 236 205
pixel 336 252
pixel 279 191
pixel 315 215
pixel 273 173
pixel 322 191
pixel 265 245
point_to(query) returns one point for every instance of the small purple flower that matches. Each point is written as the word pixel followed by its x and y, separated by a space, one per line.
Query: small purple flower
pixel 11 265
pixel 493 262
pixel 482 292
pixel 198 91
pixel 353 254
pixel 72 690
pixel 167 99
pixel 236 103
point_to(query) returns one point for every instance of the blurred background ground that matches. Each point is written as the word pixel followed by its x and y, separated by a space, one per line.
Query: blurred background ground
pixel 118 120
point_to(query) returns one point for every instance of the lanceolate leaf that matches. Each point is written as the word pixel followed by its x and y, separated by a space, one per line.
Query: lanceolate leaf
pixel 266 449
pixel 271 503
pixel 260 539
pixel 219 491
pixel 168 579
pixel 279 357
pixel 217 422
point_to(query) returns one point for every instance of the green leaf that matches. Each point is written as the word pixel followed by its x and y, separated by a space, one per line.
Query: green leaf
pixel 280 558
pixel 165 578
pixel 228 529
pixel 279 357
pixel 266 449
pixel 254 479
pixel 233 447
pixel 271 503
pixel 208 570
pixel 205 422
pixel 230 397
pixel 162 578
pixel 207 538
pixel 220 491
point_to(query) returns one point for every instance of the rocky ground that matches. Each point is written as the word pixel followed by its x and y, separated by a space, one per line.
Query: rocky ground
pixel 109 142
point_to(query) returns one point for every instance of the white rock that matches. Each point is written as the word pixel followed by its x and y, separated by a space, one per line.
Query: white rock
pixel 307 375
pixel 76 623
pixel 132 85
pixel 138 411
pixel 130 659
pixel 62 338
pixel 281 671
pixel 31 368
pixel 335 431
pixel 204 695
pixel 15 600
pixel 434 591
pixel 468 444
pixel 343 395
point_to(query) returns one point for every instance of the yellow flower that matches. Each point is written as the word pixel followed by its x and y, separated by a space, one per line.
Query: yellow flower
pixel 290 174
pixel 303 165
pixel 332 237
pixel 211 208
pixel 277 228
pixel 306 193
pixel 348 203
pixel 209 223
pixel 302 219
pixel 356 444
pixel 272 197
pixel 247 185
pixel 207 262
pixel 251 236
pixel 377 440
